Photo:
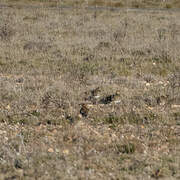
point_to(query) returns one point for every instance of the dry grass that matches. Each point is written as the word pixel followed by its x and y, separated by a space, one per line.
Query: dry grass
pixel 105 3
pixel 50 62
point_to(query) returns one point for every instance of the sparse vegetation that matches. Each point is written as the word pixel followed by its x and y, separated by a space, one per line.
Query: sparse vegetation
pixel 106 3
pixel 60 71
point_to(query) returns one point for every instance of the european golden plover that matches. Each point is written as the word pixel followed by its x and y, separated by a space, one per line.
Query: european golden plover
pixel 95 92
pixel 111 98
pixel 84 110
pixel 70 118
pixel 94 95
pixel 117 97
pixel 161 100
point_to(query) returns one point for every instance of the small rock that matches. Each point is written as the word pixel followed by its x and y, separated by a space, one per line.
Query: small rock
pixel 66 151
pixel 148 84
pixel 50 150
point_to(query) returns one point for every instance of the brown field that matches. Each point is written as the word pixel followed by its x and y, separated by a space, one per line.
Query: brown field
pixel 52 59
pixel 106 3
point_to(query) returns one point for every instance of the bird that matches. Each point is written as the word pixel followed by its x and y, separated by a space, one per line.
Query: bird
pixel 70 118
pixel 161 100
pixel 111 98
pixel 94 95
pixel 117 97
pixel 95 92
pixel 84 110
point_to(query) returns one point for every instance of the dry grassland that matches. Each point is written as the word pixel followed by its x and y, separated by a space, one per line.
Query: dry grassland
pixel 168 4
pixel 55 123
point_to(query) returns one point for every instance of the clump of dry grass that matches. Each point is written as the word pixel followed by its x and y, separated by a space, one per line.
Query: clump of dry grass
pixel 52 61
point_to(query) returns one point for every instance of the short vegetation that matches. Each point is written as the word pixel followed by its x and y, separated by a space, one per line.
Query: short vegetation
pixel 89 93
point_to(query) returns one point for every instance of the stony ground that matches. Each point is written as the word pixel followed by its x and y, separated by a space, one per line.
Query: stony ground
pixel 89 94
